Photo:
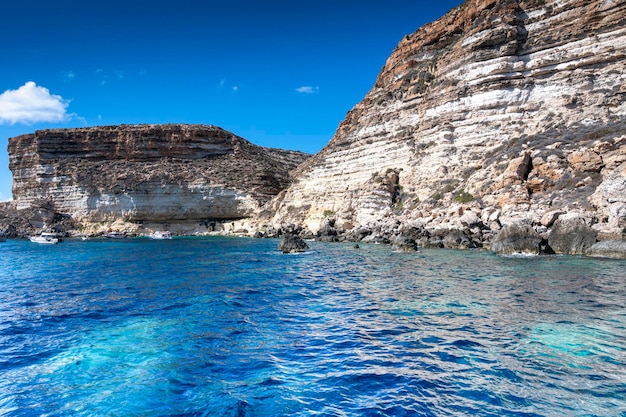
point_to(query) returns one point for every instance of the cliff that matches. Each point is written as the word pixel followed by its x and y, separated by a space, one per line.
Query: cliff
pixel 501 112
pixel 139 174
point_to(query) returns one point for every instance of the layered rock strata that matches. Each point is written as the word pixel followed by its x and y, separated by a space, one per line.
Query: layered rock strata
pixel 501 112
pixel 146 173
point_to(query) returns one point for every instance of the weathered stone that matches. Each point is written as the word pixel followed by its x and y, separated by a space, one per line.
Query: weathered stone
pixel 613 198
pixel 518 170
pixel 483 106
pixel 585 160
pixel 27 222
pixel 456 239
pixel 570 235
pixel 405 244
pixel 360 233
pixel 292 243
pixel 376 238
pixel 328 229
pixel 495 226
pixel 470 218
pixel 609 249
pixel 147 173
pixel 511 109
pixel 516 238
pixel 550 217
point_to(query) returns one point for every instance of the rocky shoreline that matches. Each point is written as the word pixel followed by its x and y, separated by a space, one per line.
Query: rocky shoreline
pixel 568 234
pixel 558 233
pixel 502 126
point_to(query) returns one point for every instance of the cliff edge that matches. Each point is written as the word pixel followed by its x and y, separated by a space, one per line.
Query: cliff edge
pixel 501 113
pixel 143 174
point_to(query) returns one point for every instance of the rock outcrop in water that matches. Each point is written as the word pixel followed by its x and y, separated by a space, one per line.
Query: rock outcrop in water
pixel 120 176
pixel 290 243
pixel 500 113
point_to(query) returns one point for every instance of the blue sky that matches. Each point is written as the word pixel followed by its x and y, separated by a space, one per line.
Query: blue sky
pixel 278 73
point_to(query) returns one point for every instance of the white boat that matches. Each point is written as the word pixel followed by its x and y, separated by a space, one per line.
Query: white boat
pixel 115 235
pixel 161 235
pixel 49 238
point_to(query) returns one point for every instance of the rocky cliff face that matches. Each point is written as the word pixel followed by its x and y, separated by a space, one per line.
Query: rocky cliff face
pixel 146 173
pixel 500 112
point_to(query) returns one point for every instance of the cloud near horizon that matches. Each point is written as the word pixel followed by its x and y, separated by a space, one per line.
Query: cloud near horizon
pixel 307 89
pixel 31 104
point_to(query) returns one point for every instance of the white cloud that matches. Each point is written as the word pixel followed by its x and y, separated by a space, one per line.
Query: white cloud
pixel 4 198
pixel 307 89
pixel 32 104
pixel 235 88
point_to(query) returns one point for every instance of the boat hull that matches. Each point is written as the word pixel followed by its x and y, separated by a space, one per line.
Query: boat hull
pixel 44 240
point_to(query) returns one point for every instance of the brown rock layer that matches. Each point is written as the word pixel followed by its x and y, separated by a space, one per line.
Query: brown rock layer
pixel 146 173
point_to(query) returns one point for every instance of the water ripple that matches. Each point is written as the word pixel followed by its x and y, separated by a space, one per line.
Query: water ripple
pixel 231 327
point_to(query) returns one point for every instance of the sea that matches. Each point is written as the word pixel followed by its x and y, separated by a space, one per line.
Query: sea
pixel 223 326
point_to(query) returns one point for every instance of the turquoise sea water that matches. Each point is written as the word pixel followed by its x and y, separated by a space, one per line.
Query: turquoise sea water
pixel 232 327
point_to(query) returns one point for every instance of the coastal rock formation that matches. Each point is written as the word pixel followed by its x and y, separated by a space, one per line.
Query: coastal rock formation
pixel 139 174
pixel 501 112
pixel 608 249
pixel 517 238
pixel 291 243
pixel 570 235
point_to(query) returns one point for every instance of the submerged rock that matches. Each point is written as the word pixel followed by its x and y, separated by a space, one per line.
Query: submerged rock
pixel 292 243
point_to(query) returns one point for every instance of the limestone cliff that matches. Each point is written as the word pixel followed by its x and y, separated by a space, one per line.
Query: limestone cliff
pixel 499 112
pixel 146 173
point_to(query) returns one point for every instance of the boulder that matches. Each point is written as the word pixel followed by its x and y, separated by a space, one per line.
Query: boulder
pixel 327 232
pixel 516 238
pixel 609 249
pixel 360 233
pixel 470 218
pixel 404 244
pixel 570 235
pixel 585 160
pixel 518 169
pixel 290 243
pixel 456 239
pixel 550 217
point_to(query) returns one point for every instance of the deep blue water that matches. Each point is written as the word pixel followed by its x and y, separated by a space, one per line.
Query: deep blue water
pixel 232 327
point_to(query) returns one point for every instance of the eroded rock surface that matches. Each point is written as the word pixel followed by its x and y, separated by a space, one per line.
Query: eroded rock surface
pixel 142 174
pixel 500 113
pixel 291 243
pixel 513 110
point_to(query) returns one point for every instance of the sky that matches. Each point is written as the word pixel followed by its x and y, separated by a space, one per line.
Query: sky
pixel 278 73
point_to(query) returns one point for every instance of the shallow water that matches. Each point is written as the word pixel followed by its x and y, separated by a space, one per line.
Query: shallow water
pixel 232 327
